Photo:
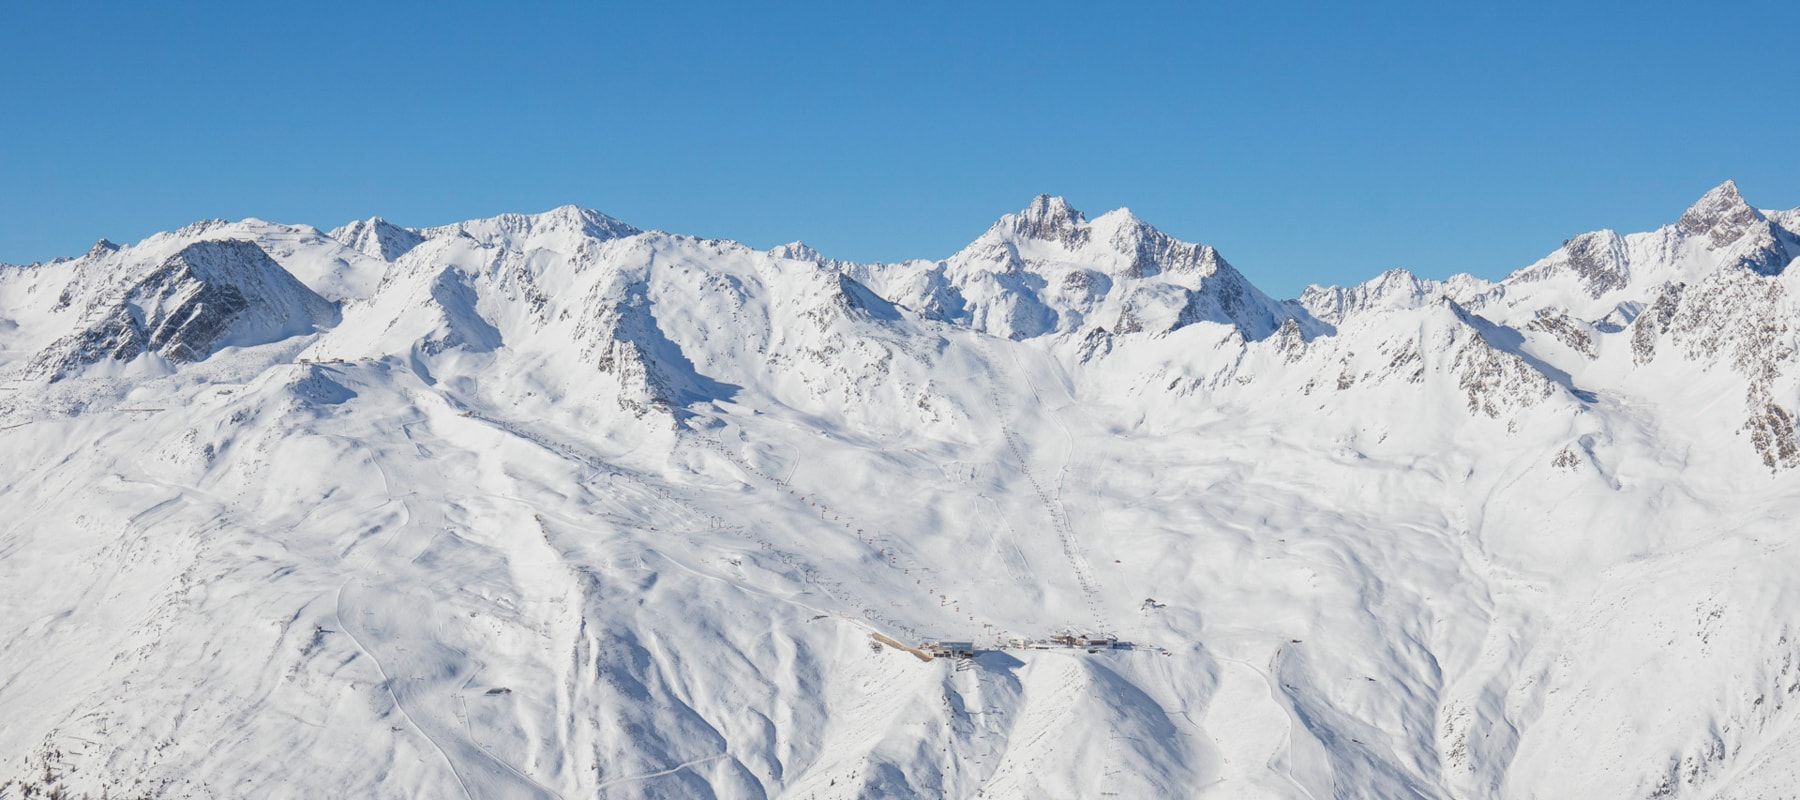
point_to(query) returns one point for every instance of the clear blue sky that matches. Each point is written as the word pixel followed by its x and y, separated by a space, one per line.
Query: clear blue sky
pixel 1308 142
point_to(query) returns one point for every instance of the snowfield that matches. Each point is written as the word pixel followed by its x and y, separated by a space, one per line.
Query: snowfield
pixel 550 506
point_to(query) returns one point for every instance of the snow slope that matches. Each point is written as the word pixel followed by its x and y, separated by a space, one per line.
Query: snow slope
pixel 550 506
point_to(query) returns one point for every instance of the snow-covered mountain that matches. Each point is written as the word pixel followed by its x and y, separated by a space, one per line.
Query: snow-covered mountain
pixel 1048 270
pixel 551 506
pixel 377 238
pixel 211 294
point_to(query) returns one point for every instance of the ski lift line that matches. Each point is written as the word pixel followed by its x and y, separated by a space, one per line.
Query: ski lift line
pixel 1059 522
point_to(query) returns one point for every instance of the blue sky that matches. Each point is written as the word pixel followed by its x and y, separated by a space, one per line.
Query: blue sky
pixel 1309 143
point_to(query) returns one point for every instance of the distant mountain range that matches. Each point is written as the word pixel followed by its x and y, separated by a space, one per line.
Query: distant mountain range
pixel 551 506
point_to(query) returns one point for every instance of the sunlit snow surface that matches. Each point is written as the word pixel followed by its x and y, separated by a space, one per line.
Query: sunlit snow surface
pixel 546 506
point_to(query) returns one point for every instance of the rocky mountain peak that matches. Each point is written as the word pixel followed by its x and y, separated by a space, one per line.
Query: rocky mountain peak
pixel 211 294
pixel 1721 215
pixel 1047 218
pixel 1394 289
pixel 102 248
pixel 1597 259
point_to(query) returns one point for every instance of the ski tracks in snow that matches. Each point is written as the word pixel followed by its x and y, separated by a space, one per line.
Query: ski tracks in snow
pixel 670 771
pixel 1053 506
pixel 1259 726
pixel 371 560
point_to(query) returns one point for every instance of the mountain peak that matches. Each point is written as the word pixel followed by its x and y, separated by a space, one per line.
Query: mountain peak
pixel 1121 219
pixel 211 294
pixel 516 229
pixel 1598 260
pixel 588 221
pixel 1727 191
pixel 1048 217
pixel 1721 213
pixel 102 248
pixel 1046 206
pixel 571 211
pixel 1395 288
pixel 378 238
pixel 797 251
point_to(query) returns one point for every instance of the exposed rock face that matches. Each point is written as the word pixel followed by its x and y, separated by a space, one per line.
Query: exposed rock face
pixel 1290 342
pixel 1739 319
pixel 101 249
pixel 1495 382
pixel 1556 323
pixel 624 336
pixel 1647 328
pixel 1724 222
pixel 1153 252
pixel 1048 219
pixel 1455 348
pixel 210 295
pixel 1598 260
pixel 1745 318
pixel 1721 215
pixel 1229 297
pixel 1773 433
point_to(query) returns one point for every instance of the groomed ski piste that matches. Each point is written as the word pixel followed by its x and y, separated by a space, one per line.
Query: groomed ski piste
pixel 549 506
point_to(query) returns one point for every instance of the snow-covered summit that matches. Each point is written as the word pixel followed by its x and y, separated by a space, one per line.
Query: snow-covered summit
pixel 210 295
pixel 1048 270
pixel 801 251
pixel 521 229
pixel 378 238
pixel 1395 289
pixel 1051 233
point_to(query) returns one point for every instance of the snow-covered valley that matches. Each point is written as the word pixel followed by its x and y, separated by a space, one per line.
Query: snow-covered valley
pixel 549 506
